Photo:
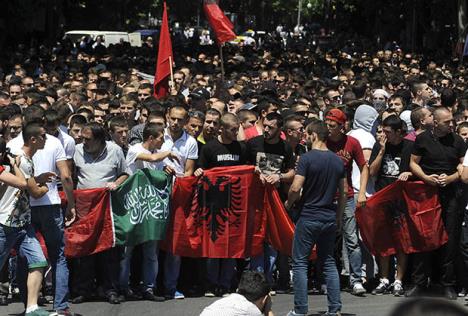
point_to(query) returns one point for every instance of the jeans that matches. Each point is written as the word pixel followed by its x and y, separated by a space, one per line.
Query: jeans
pixel 149 265
pixel 48 219
pixel 351 243
pixel 171 272
pixel 220 272
pixel 24 240
pixel 307 234
pixel 265 262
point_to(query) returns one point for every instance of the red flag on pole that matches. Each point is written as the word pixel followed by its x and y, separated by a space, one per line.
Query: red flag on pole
pixel 220 24
pixel 164 61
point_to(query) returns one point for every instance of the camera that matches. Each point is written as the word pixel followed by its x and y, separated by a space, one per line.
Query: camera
pixel 6 155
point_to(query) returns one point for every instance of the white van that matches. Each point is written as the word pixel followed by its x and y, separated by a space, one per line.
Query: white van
pixel 109 37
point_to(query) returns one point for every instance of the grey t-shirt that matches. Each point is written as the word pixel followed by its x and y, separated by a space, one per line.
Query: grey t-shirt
pixel 96 172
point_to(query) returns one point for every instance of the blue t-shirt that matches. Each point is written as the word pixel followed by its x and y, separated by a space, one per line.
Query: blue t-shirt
pixel 322 171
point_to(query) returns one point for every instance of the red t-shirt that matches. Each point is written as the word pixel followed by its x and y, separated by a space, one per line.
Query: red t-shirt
pixel 251 132
pixel 348 149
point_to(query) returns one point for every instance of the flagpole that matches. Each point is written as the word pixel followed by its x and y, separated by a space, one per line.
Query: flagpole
pixel 222 61
pixel 172 71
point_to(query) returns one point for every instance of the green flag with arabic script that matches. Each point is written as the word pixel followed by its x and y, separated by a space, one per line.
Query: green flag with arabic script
pixel 140 207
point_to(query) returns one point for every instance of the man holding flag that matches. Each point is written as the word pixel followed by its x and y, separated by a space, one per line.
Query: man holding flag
pixel 99 164
pixel 436 156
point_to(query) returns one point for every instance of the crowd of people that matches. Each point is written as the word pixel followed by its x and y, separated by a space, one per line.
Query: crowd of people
pixel 327 128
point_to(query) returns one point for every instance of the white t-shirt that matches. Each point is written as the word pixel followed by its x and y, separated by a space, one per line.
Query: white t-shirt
pixel 367 141
pixel 233 305
pixel 185 147
pixel 14 203
pixel 45 160
pixel 134 164
pixel 68 144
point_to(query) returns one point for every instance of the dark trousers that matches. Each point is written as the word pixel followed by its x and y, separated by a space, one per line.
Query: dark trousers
pixel 443 259
pixel 101 269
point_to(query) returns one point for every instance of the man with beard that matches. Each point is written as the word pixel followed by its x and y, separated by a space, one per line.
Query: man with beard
pixel 274 162
pixel 222 151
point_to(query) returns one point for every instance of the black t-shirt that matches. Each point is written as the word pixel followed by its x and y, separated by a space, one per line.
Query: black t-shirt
pixel 395 161
pixel 215 154
pixel 439 155
pixel 270 158
pixel 322 171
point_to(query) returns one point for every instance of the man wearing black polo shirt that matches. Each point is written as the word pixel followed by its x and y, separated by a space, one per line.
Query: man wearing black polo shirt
pixel 222 151
pixel 436 156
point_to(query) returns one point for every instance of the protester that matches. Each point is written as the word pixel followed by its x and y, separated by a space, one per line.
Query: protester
pixel 389 162
pixel 15 218
pixel 224 150
pixel 319 173
pixel 436 156
pixel 349 149
pixel 251 299
pixel 98 164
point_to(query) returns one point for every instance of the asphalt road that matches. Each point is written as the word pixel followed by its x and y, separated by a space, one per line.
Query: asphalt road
pixel 369 305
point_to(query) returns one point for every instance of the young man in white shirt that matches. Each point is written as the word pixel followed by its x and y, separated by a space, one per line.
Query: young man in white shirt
pixel 139 156
pixel 186 149
pixel 46 212
pixel 16 230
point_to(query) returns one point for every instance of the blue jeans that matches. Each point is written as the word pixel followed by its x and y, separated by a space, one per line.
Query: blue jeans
pixel 24 240
pixel 149 265
pixel 265 262
pixel 307 234
pixel 48 219
pixel 30 254
pixel 351 243
pixel 220 272
pixel 171 272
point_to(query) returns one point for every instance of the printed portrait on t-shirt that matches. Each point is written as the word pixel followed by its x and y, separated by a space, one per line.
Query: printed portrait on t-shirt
pixel 391 166
pixel 269 163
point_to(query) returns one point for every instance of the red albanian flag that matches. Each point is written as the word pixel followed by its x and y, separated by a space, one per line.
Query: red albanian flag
pixel 220 24
pixel 165 57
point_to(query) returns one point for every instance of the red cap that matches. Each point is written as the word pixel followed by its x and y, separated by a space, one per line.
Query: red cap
pixel 337 116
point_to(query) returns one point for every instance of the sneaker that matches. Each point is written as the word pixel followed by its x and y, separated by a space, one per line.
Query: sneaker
pixel 358 289
pixel 272 293
pixel 222 292
pixel 174 295
pixel 293 313
pixel 398 289
pixel 210 293
pixel 382 288
pixel 149 296
pixel 415 291
pixel 129 295
pixel 462 293
pixel 38 312
pixel 64 312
